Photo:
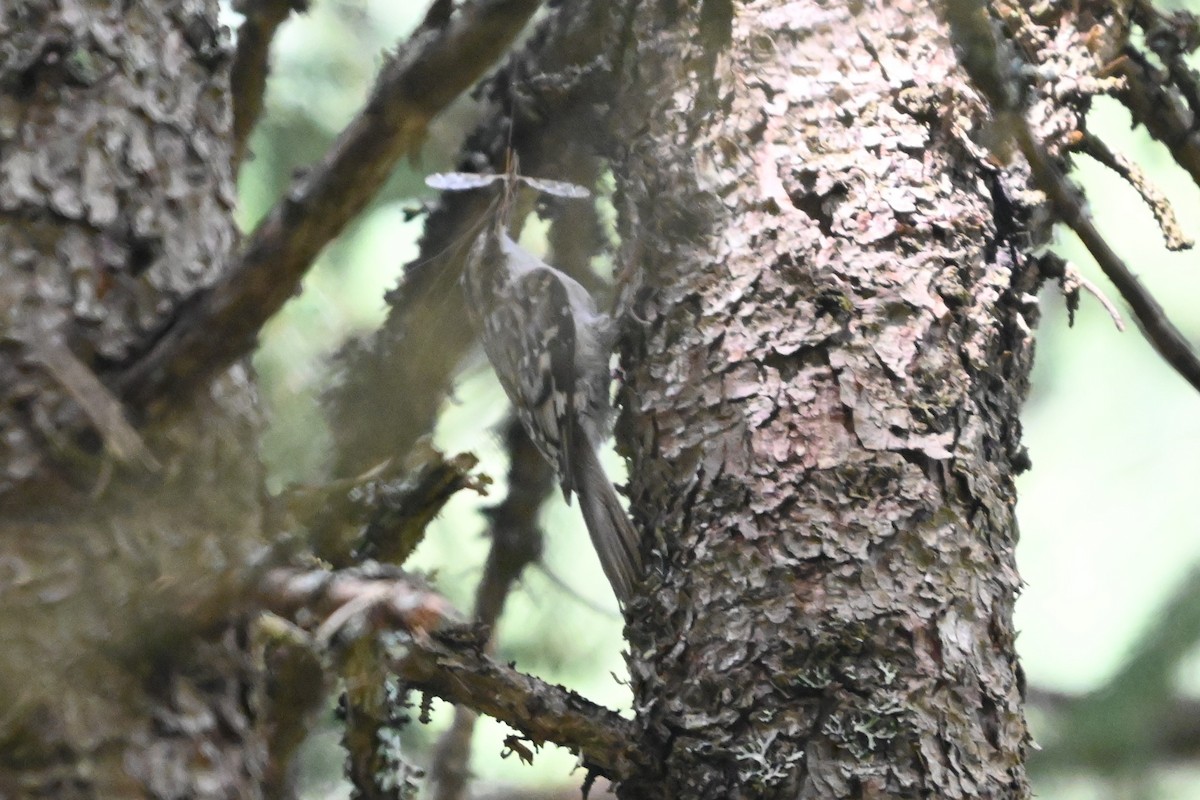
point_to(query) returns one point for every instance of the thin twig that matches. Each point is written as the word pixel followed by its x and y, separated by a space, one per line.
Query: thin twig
pixel 1073 280
pixel 573 593
pixel 1069 206
pixel 1095 291
pixel 381 598
pixel 1160 206
pixel 221 323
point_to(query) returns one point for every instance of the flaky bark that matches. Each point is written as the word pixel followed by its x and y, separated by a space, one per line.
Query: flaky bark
pixel 116 197
pixel 829 346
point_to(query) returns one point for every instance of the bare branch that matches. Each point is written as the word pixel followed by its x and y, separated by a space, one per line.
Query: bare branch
pixel 450 764
pixel 381 514
pixel 516 543
pixel 351 607
pixel 373 709
pixel 1160 207
pixel 544 713
pixel 1071 281
pixel 1151 104
pixel 295 691
pixel 1069 205
pixel 407 365
pixel 1073 277
pixel 448 661
pixel 987 58
pixel 516 536
pixel 221 323
pixel 384 599
pixel 248 77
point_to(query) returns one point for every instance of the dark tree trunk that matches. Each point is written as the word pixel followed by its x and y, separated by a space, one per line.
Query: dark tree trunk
pixel 830 350
pixel 116 194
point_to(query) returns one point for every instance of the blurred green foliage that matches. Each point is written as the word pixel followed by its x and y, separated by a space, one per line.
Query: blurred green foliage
pixel 1107 514
pixel 1107 517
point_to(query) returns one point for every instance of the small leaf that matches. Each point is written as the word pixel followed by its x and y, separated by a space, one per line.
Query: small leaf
pixel 460 181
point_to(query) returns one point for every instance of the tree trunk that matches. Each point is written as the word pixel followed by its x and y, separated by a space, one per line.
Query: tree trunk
pixel 116 195
pixel 831 347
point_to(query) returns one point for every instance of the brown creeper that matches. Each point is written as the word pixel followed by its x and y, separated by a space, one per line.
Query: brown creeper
pixel 550 347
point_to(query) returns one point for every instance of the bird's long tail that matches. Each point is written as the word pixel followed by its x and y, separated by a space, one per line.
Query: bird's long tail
pixel 612 533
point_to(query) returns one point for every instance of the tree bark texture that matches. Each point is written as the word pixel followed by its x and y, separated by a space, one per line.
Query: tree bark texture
pixel 829 347
pixel 116 195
